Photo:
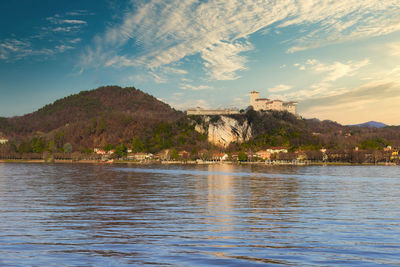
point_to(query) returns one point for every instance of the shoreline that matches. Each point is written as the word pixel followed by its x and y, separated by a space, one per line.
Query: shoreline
pixel 200 163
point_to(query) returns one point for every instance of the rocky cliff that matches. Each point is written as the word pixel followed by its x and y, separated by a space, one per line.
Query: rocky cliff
pixel 222 130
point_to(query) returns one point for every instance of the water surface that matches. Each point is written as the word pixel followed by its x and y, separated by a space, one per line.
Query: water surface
pixel 78 214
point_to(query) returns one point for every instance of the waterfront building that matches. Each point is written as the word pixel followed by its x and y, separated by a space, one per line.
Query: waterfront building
pixel 263 154
pixel 3 141
pixel 137 156
pixel 278 149
pixel 99 151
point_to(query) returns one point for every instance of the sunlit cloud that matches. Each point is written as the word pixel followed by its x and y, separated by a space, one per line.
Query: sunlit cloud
pixel 393 49
pixel 218 32
pixel 371 101
pixel 280 88
pixel 192 103
pixel 325 85
pixel 195 88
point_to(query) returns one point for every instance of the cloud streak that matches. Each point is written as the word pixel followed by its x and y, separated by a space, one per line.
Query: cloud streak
pixel 13 49
pixel 373 100
pixel 324 86
pixel 218 31
pixel 280 88
pixel 195 88
pixel 57 36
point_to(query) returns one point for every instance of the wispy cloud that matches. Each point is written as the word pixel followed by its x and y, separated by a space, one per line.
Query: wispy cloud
pixel 184 105
pixel 338 21
pixel 372 99
pixel 80 12
pixel 13 49
pixel 58 19
pixel 325 84
pixel 119 61
pixel 195 88
pixel 73 21
pixel 375 100
pixel 75 40
pixel 10 47
pixel 393 49
pixel 280 88
pixel 337 69
pixel 63 48
pixel 63 24
pixel 62 29
pixel 58 35
pixel 218 31
pixel 158 78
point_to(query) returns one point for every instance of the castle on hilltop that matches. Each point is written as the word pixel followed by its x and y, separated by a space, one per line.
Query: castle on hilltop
pixel 268 104
pixel 256 102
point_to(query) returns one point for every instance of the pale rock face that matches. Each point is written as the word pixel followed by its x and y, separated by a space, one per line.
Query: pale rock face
pixel 228 130
pixel 200 128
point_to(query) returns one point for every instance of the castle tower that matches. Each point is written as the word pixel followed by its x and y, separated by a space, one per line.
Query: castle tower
pixel 253 96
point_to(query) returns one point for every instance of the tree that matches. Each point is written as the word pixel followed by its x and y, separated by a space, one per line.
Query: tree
pixel 108 147
pixel 52 147
pixel 137 145
pixel 242 156
pixel 120 150
pixel 174 154
pixel 59 139
pixel 38 145
pixel 25 147
pixel 68 148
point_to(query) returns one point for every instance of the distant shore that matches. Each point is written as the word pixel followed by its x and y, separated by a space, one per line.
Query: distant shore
pixel 277 163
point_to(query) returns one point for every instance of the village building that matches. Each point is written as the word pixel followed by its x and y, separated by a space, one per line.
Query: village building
pixel 137 156
pixel 219 156
pixel 278 149
pixel 388 148
pixel 184 154
pixel 99 151
pixel 263 154
pixel 163 154
pixel 3 141
pixel 267 104
pixel 301 155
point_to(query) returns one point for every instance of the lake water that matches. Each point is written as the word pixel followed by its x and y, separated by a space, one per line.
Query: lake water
pixel 78 214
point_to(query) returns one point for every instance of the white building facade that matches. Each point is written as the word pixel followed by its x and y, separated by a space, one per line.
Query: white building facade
pixel 3 141
pixel 268 104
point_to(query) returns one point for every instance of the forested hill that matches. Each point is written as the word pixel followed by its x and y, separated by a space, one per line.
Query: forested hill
pixel 106 114
pixel 110 116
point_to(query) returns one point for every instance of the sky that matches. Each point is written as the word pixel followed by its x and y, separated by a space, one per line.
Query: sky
pixel 340 60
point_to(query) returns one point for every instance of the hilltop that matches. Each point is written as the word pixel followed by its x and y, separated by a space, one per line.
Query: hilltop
pixel 373 124
pixel 106 115
pixel 129 103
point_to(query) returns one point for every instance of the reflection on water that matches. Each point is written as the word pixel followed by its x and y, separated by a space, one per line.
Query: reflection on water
pixel 220 198
pixel 198 215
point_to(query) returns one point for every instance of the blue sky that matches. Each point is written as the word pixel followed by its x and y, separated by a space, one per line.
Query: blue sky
pixel 339 59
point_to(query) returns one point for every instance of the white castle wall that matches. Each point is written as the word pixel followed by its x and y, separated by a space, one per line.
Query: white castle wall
pixel 212 111
pixel 267 104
